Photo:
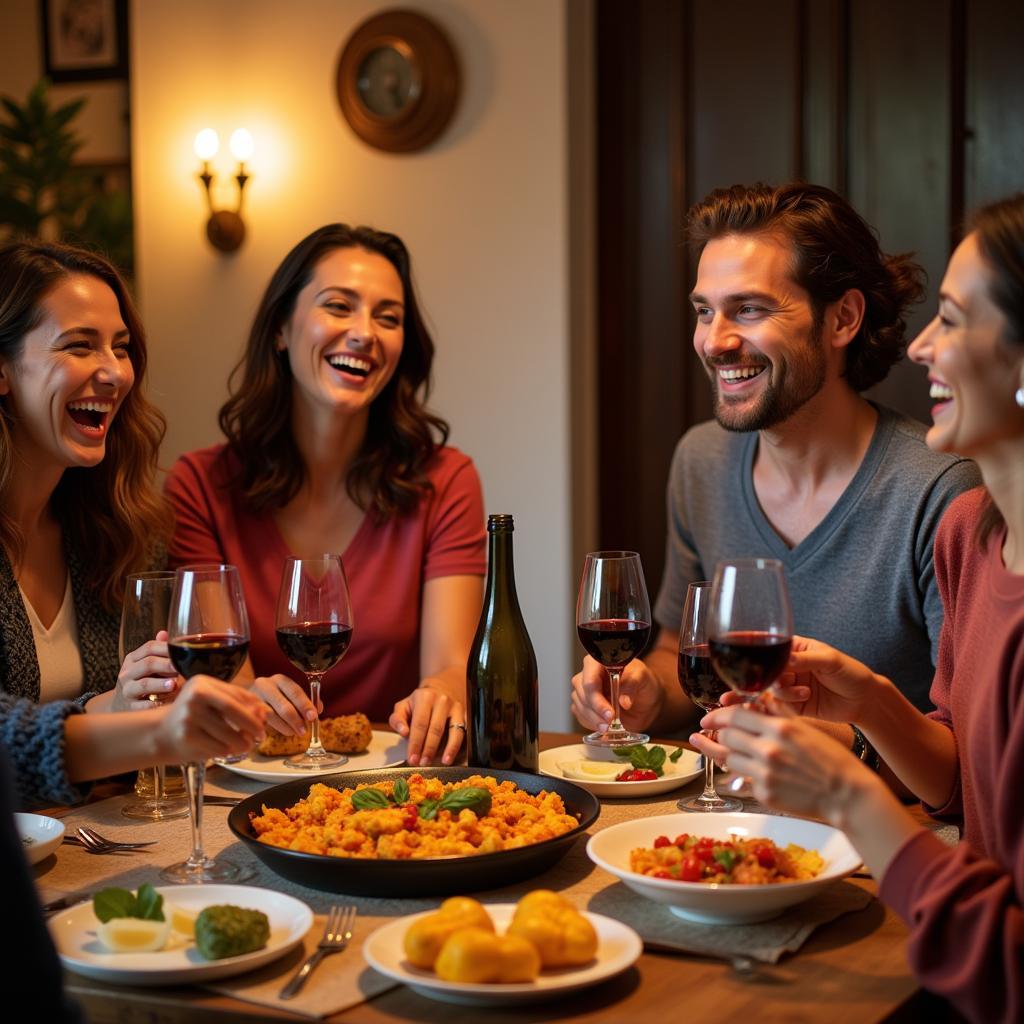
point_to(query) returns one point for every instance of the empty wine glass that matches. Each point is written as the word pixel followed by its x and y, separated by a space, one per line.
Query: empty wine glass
pixel 314 629
pixel 702 684
pixel 613 622
pixel 144 612
pixel 209 635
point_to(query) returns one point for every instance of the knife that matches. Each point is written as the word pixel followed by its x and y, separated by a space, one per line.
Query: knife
pixel 65 902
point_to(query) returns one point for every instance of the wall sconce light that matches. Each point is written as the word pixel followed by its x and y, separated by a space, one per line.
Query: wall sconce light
pixel 225 229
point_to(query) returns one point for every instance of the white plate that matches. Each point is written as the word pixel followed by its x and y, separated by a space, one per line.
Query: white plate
pixel 723 904
pixel 74 934
pixel 40 835
pixel 684 770
pixel 618 948
pixel 386 750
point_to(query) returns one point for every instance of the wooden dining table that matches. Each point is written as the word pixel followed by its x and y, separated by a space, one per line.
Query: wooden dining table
pixel 850 969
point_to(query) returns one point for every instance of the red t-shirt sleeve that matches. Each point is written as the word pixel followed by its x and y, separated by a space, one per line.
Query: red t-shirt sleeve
pixel 190 491
pixel 456 539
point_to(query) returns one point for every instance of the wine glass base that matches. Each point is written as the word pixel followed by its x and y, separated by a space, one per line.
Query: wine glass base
pixel 230 759
pixel 719 804
pixel 152 810
pixel 616 739
pixel 315 762
pixel 210 870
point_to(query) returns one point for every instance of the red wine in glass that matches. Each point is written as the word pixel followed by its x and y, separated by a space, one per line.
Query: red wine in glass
pixel 208 633
pixel 614 642
pixel 750 660
pixel 703 685
pixel 613 622
pixel 698 678
pixel 314 647
pixel 314 630
pixel 220 655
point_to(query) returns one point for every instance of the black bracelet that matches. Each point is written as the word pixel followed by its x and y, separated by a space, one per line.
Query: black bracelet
pixel 863 749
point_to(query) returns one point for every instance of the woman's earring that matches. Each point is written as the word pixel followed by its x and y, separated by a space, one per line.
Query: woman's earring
pixel 1019 397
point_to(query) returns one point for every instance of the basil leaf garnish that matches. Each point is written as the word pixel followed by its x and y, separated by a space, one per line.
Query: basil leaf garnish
pixel 149 904
pixel 370 800
pixel 400 792
pixel 110 903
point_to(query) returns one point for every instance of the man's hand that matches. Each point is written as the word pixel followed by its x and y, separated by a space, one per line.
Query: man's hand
pixel 640 696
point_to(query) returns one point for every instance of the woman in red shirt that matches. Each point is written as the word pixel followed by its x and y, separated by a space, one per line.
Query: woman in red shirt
pixel 330 448
pixel 964 905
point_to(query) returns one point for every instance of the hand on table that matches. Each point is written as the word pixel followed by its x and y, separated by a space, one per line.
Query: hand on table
pixel 209 719
pixel 423 717
pixel 146 670
pixel 640 696
pixel 290 709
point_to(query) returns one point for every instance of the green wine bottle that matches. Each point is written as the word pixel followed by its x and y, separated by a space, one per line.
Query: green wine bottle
pixel 501 675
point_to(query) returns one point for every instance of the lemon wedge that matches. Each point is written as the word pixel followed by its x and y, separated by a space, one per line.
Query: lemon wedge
pixel 182 921
pixel 591 771
pixel 133 935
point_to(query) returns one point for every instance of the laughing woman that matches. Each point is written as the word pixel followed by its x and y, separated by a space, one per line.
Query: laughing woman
pixel 78 503
pixel 330 448
pixel 964 906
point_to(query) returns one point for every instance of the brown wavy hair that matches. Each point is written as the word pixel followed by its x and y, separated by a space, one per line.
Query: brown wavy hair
pixel 835 251
pixel 389 472
pixel 112 515
pixel 999 228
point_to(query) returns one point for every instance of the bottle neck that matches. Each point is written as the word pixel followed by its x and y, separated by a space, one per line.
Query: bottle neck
pixel 501 577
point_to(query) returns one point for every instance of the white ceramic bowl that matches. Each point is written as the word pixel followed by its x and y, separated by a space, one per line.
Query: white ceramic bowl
pixel 39 834
pixel 723 904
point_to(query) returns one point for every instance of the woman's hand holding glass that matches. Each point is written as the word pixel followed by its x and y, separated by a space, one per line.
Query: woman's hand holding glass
pixel 146 676
pixel 641 697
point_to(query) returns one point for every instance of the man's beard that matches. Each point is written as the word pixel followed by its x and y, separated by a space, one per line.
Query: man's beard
pixel 798 381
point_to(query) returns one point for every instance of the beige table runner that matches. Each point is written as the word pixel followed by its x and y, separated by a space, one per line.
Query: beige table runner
pixel 344 980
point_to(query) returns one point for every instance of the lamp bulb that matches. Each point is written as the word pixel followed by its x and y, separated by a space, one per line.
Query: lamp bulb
pixel 206 144
pixel 242 145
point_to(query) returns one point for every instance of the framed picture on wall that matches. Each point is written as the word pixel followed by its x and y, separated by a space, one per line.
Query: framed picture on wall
pixel 84 40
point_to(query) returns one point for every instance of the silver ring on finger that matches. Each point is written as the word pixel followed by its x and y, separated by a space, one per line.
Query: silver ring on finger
pixel 457 725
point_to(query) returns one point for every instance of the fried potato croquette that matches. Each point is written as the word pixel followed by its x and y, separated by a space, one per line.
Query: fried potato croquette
pixel 346 734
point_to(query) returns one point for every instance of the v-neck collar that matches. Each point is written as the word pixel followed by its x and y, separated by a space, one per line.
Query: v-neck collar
pixel 793 557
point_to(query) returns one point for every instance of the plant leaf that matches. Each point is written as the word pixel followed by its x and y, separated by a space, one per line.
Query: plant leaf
pixel 370 800
pixel 149 904
pixel 110 903
pixel 400 792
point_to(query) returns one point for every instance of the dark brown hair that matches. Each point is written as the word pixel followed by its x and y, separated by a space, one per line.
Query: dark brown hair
pixel 835 251
pixel 389 473
pixel 111 514
pixel 1000 232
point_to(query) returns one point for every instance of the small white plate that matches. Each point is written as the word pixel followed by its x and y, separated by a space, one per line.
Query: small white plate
pixel 682 771
pixel 40 835
pixel 619 947
pixel 386 750
pixel 74 935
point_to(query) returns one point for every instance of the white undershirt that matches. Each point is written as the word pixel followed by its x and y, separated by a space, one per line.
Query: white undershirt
pixel 60 661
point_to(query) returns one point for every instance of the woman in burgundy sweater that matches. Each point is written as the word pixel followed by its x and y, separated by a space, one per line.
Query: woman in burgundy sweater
pixel 964 905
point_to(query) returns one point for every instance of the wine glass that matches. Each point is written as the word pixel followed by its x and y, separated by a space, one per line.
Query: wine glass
pixel 209 635
pixel 314 629
pixel 144 612
pixel 702 685
pixel 750 626
pixel 613 622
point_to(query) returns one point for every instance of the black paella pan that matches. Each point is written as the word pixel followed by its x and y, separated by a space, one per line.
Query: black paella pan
pixel 417 878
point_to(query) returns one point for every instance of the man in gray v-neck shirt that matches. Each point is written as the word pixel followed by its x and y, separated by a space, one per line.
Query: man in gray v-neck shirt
pixel 798 312
pixel 862 580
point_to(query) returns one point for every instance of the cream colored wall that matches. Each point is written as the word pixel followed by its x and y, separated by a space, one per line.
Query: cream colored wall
pixel 484 212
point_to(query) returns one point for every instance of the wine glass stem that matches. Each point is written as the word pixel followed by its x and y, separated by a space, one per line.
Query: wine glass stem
pixel 614 675
pixel 709 780
pixel 314 695
pixel 158 783
pixel 195 774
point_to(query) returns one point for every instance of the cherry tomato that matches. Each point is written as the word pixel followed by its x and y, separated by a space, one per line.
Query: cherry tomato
pixel 691 869
pixel 765 857
pixel 412 815
pixel 636 775
pixel 680 840
pixel 660 874
pixel 661 841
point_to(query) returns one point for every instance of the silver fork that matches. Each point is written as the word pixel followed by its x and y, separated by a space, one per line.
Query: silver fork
pixel 337 933
pixel 95 843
